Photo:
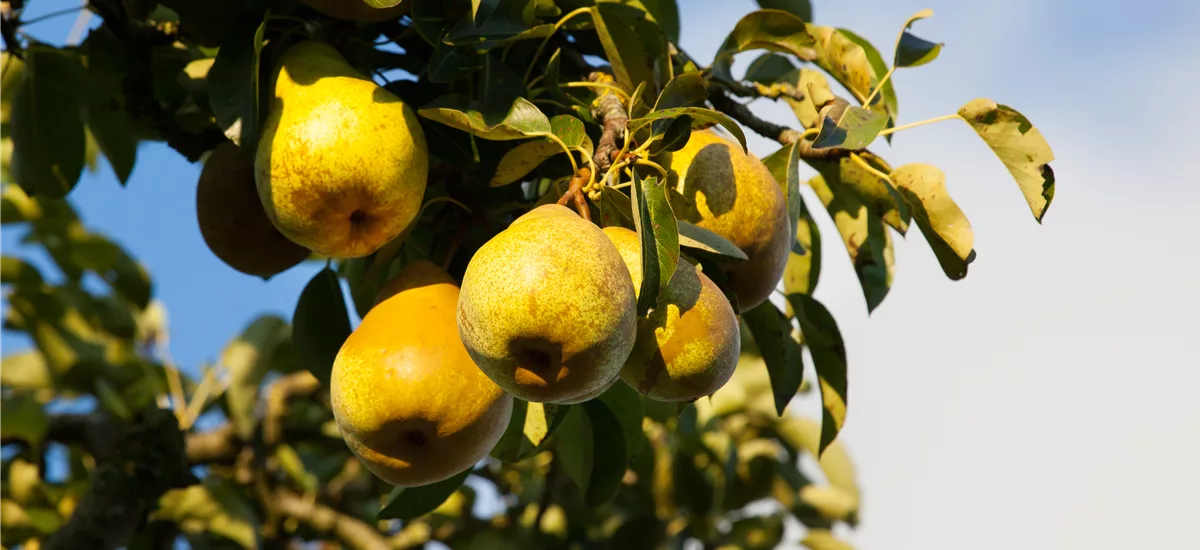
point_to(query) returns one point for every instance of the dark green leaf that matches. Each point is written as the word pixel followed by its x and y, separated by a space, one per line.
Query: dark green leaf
pixel 632 43
pixel 768 68
pixel 801 8
pixel 320 324
pixel 615 209
pixel 482 9
pixel 405 503
pixel 773 30
pixel 658 233
pixel 626 405
pixel 499 85
pixel 706 243
pixel 574 448
pixel 523 119
pixel 247 360
pixel 942 222
pixel 784 165
pixel 23 418
pixel 772 332
pixel 698 113
pixel 912 51
pixel 233 81
pixel 685 90
pixel 449 63
pixel 1020 147
pixel 15 271
pixel 529 428
pixel 824 341
pixel 611 455
pixel 675 137
pixel 666 13
pixel 854 128
pixel 429 19
pixel 865 236
pixel 46 125
pixel 104 111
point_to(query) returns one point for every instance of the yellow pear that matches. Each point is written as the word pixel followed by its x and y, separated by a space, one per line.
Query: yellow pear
pixel 357 10
pixel 342 162
pixel 687 347
pixel 409 402
pixel 231 217
pixel 719 187
pixel 547 307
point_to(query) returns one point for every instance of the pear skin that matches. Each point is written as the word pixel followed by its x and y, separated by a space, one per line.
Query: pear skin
pixel 357 10
pixel 547 308
pixel 410 403
pixel 342 162
pixel 688 345
pixel 713 184
pixel 231 217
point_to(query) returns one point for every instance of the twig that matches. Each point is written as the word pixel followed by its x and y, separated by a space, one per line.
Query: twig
pixel 782 134
pixel 610 112
pixel 355 533
pixel 294 385
pixel 575 193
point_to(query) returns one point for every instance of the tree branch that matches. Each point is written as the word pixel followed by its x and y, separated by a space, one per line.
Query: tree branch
pixel 721 101
pixel 611 114
pixel 355 533
pixel 146 460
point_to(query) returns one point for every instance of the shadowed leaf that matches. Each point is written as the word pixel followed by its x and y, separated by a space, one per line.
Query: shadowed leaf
pixel 876 193
pixel 804 265
pixel 912 51
pixel 405 503
pixel 855 128
pixel 610 451
pixel 768 29
pixel 528 430
pixel 824 342
pixel 632 43
pixel 865 236
pixel 233 81
pixel 768 68
pixel 320 324
pixel 659 236
pixel 801 8
pixel 772 332
pixel 698 113
pixel 46 126
pixel 703 242
pixel 626 405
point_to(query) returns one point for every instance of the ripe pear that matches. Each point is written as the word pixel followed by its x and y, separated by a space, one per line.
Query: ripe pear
pixel 231 217
pixel 719 187
pixel 357 10
pixel 547 307
pixel 342 162
pixel 687 347
pixel 410 403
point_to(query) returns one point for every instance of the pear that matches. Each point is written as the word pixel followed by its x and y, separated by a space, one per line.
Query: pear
pixel 231 217
pixel 342 162
pixel 719 187
pixel 688 345
pixel 409 402
pixel 547 308
pixel 357 10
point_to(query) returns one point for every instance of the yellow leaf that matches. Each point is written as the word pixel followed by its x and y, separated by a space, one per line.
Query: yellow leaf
pixel 942 222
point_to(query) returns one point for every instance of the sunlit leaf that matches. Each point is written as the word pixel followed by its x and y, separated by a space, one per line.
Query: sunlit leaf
pixel 698 113
pixel 865 236
pixel 25 370
pixel 524 158
pixel 912 51
pixel 523 119
pixel 247 360
pixel 824 342
pixel 1020 147
pixel 847 62
pixel 803 268
pixel 879 67
pixel 784 165
pixel 215 506
pixel 804 80
pixel 824 539
pixel 768 29
pixel 855 128
pixel 405 503
pixel 320 324
pixel 757 532
pixel 867 186
pixel 942 222
pixel 658 234
pixel 632 43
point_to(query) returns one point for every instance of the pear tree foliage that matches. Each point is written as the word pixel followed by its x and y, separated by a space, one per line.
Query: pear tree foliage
pixel 522 103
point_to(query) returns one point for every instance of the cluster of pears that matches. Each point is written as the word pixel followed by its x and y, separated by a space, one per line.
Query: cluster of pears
pixel 546 312
pixel 340 170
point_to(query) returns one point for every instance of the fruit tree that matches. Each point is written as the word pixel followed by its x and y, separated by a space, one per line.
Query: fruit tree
pixel 585 304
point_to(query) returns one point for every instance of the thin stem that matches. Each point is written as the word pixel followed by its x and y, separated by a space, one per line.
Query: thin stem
pixel 654 165
pixel 448 199
pixel 198 399
pixel 52 14
pixel 551 102
pixel 920 123
pixel 567 150
pixel 871 169
pixel 621 93
pixel 878 87
pixel 810 133
pixel 546 40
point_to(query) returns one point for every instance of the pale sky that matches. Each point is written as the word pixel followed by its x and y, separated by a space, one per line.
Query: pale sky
pixel 1044 402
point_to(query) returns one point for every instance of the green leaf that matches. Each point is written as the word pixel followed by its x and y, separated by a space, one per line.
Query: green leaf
pixel 233 80
pixel 854 128
pixel 1020 147
pixel 247 360
pixel 611 455
pixel 632 43
pixel 769 29
pixel 685 90
pixel 912 51
pixel 658 232
pixel 803 268
pixel 574 447
pixel 675 137
pixel 529 429
pixel 784 165
pixel 524 158
pixel 698 113
pixel 104 109
pixel 824 342
pixel 46 124
pixel 615 209
pixel 768 68
pixel 25 370
pixel 757 532
pixel 450 63
pixel 499 85
pixel 772 332
pixel 215 506
pixel 381 4
pixel 847 62
pixel 876 193
pixel 320 324
pixel 16 271
pixel 880 68
pixel 523 119
pixel 484 7
pixel 405 503
pixel 22 417
pixel 801 8
pixel 865 236
pixel 113 264
pixel 626 406
pixel 666 14
pixel 942 222
pixel 703 242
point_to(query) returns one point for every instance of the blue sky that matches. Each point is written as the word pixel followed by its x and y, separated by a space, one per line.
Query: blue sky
pixel 1047 400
